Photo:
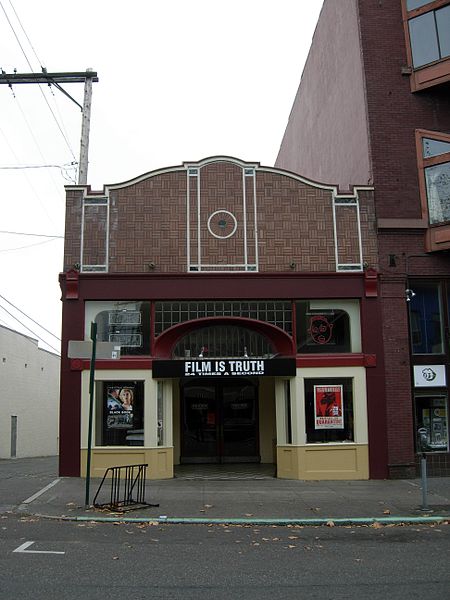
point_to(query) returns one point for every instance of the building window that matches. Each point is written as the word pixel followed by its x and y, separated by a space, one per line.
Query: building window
pixel 430 36
pixel 432 416
pixel 433 150
pixel 120 413
pixel 223 341
pixel 426 319
pixel 326 327
pixel 329 410
pixel 433 158
pixel 124 323
pixel 168 314
pixel 427 30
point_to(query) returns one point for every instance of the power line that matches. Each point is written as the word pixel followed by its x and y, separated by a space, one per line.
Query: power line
pixel 18 167
pixel 32 234
pixel 31 68
pixel 15 35
pixel 33 189
pixel 32 320
pixel 27 246
pixel 30 330
pixel 25 33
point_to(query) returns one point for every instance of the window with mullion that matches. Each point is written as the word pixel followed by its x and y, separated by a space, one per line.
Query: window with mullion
pixel 430 36
pixel 433 155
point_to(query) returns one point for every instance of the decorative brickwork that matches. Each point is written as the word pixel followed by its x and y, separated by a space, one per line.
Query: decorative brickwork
pixel 219 216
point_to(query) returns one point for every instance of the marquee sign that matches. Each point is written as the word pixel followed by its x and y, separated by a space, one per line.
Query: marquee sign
pixel 247 367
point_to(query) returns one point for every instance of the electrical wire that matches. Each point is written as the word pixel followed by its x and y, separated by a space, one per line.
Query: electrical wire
pixel 32 234
pixel 28 317
pixel 18 167
pixel 25 33
pixel 32 70
pixel 27 246
pixel 33 189
pixel 30 330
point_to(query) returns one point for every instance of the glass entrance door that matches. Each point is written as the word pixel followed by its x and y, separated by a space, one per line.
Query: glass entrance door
pixel 219 423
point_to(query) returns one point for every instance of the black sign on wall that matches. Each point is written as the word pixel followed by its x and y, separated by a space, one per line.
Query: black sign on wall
pixel 241 367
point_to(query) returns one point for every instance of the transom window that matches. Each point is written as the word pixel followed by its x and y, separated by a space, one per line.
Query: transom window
pixel 168 314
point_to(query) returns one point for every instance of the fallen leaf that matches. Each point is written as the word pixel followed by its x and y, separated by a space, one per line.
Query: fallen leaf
pixel 115 558
pixel 292 537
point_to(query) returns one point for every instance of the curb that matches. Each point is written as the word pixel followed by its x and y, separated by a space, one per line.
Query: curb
pixel 311 522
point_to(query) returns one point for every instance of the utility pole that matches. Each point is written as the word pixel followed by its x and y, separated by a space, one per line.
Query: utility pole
pixel 87 77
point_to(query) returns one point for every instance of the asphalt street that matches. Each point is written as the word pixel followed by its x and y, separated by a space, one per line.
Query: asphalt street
pixel 45 559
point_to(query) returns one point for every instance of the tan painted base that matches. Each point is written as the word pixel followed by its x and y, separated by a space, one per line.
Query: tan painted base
pixel 324 462
pixel 159 460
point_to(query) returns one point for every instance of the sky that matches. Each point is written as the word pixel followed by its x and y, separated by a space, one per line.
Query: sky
pixel 178 81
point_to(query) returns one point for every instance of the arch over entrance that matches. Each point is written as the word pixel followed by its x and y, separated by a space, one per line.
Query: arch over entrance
pixel 280 341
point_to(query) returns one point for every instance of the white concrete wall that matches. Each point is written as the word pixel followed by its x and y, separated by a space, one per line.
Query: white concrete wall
pixel 29 389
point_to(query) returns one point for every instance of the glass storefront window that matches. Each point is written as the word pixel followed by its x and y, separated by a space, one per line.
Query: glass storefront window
pixel 432 415
pixel 322 330
pixel 120 413
pixel 124 323
pixel 426 319
pixel 329 410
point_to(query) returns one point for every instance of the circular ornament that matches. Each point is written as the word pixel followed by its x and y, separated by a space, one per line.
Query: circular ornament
pixel 222 224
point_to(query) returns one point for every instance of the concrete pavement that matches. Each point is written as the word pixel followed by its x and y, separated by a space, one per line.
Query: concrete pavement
pixel 31 486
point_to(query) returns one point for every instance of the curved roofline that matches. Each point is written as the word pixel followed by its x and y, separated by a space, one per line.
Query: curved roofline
pixel 214 159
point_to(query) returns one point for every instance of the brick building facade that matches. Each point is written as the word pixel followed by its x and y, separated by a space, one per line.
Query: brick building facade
pixel 373 106
pixel 245 303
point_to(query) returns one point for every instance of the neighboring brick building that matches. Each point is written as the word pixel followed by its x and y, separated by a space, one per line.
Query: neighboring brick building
pixel 248 322
pixel 373 106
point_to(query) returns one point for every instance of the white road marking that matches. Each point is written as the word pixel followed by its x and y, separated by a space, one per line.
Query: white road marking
pixel 23 549
pixel 37 494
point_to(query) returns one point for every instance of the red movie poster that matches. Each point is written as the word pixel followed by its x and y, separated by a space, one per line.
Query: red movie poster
pixel 328 404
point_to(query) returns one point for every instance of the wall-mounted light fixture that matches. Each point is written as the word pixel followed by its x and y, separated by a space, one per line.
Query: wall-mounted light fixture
pixel 409 295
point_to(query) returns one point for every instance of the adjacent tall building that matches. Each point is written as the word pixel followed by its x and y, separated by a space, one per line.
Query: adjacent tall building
pixel 373 106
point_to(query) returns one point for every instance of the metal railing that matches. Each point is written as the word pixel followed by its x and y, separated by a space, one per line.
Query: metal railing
pixel 127 490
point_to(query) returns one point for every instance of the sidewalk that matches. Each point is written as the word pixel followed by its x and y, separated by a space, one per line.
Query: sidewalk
pixel 37 490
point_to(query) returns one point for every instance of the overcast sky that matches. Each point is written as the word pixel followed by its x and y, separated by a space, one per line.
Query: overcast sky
pixel 178 81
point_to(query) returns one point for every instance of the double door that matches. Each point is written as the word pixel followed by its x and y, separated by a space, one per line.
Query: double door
pixel 219 422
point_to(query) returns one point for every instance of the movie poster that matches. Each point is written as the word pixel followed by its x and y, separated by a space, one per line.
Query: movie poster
pixel 328 404
pixel 119 407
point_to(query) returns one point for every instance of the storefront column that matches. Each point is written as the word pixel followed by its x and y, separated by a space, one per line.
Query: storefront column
pixel 151 414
